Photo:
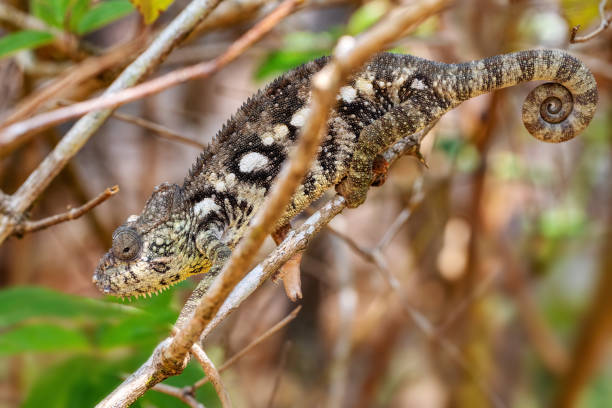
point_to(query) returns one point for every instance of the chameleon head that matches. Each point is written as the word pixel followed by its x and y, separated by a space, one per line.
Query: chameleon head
pixel 152 251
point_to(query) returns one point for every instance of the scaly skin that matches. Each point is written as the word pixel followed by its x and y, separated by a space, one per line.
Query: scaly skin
pixel 190 229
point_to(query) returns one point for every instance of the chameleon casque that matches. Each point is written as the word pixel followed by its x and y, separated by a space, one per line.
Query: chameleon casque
pixel 190 229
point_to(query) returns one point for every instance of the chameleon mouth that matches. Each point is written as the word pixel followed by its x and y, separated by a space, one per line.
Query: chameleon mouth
pixel 121 280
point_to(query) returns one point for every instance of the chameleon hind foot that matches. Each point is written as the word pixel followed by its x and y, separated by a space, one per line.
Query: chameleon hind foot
pixel 290 271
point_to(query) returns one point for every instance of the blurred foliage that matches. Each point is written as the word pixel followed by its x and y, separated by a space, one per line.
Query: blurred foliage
pixel 21 40
pixel 580 12
pixel 98 339
pixel 300 47
pixel 75 16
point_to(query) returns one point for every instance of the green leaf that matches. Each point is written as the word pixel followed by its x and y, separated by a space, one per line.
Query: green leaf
pixel 41 337
pixel 563 222
pixel 20 303
pixel 103 14
pixel 81 381
pixel 366 16
pixel 75 12
pixel 52 12
pixel 22 40
pixel 142 331
pixel 279 62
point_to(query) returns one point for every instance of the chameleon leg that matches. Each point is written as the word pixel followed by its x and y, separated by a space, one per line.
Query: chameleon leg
pixel 290 271
pixel 374 139
pixel 217 253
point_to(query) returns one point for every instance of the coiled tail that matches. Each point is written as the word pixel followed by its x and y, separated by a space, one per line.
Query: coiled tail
pixel 552 112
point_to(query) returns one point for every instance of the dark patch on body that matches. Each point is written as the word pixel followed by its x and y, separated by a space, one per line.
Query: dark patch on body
pixel 567 69
pixel 260 177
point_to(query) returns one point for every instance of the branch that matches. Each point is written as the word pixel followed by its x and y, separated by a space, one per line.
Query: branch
pixel 605 22
pixel 350 54
pixel 74 140
pixel 178 393
pixel 212 374
pixel 24 227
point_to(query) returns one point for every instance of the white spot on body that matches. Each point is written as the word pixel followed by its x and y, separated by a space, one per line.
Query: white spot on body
pixel 348 94
pixel 220 186
pixel 280 131
pixel 418 84
pixel 299 118
pixel 132 218
pixel 364 86
pixel 230 180
pixel 159 241
pixel 205 207
pixel 267 140
pixel 252 161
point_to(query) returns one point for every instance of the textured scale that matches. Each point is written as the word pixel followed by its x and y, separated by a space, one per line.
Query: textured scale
pixel 191 229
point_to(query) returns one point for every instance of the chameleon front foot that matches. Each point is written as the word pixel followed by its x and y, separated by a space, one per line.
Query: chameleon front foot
pixel 354 188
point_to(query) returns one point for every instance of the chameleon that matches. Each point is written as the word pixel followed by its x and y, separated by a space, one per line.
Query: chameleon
pixel 191 228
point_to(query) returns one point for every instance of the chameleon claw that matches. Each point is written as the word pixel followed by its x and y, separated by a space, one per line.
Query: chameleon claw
pixel 420 157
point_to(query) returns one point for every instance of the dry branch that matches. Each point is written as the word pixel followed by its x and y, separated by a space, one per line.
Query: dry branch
pixel 605 22
pixel 26 226
pixel 178 393
pixel 169 357
pixel 78 135
pixel 212 374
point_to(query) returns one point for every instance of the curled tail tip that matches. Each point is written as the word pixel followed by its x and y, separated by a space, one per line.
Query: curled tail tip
pixel 555 112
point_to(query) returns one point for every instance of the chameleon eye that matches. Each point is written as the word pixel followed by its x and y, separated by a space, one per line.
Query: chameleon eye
pixel 126 244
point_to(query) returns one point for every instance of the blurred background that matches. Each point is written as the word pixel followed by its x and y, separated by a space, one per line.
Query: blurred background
pixel 494 272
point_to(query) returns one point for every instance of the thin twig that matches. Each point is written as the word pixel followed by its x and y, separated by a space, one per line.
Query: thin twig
pixel 161 130
pixel 267 334
pixel 605 22
pixel 89 68
pixel 178 393
pixel 78 135
pixel 279 371
pixel 24 227
pixel 212 374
